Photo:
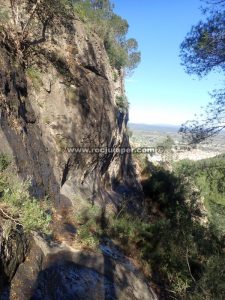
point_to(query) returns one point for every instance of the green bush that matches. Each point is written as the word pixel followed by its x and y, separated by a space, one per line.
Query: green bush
pixel 34 217
pixel 122 103
pixel 117 56
pixel 4 161
pixel 89 229
pixel 213 281
pixel 177 246
pixel 208 176
pixel 115 76
pixel 35 75
pixel 185 258
pixel 29 212
pixel 112 29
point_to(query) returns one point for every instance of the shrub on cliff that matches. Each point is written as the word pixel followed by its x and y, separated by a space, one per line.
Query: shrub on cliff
pixel 16 203
pixel 112 29
pixel 4 161
pixel 122 103
pixel 208 175
pixel 26 23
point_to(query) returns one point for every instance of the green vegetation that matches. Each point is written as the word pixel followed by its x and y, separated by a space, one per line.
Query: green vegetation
pixel 17 205
pixel 183 252
pixel 209 177
pixel 112 29
pixel 4 161
pixel 115 76
pixel 72 94
pixel 35 75
pixel 29 21
pixel 177 248
pixel 168 143
pixel 202 52
pixel 42 16
pixel 88 219
pixel 122 103
pixel 165 148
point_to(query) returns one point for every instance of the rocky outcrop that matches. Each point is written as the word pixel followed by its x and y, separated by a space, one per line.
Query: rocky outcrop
pixel 60 272
pixel 13 249
pixel 58 115
pixel 65 99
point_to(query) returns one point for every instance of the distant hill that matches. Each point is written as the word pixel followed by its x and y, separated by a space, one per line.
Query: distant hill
pixel 152 127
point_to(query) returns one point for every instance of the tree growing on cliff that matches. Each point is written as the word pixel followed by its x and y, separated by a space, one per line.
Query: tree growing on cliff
pixel 202 51
pixel 29 22
pixel 123 53
pixel 102 4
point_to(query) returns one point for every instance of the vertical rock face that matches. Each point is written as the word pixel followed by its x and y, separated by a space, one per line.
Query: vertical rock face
pixel 60 123
pixel 57 113
pixel 63 273
pixel 13 248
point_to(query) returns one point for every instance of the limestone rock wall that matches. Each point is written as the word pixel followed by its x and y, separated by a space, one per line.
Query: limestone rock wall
pixel 65 98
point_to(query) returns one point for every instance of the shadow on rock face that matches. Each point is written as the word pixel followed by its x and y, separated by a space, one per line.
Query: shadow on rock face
pixel 69 281
pixel 62 273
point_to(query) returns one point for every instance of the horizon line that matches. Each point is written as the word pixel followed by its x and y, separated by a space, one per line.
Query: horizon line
pixel 154 124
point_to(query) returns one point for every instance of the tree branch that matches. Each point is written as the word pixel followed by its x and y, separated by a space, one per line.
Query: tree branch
pixel 9 217
pixel 31 16
pixel 189 268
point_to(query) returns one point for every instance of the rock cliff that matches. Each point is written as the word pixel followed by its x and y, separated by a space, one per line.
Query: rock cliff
pixel 57 110
pixel 65 99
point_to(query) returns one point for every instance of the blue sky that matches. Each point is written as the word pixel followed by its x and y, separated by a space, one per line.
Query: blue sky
pixel 160 92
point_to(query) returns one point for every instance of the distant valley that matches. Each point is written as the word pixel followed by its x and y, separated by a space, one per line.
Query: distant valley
pixel 150 135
